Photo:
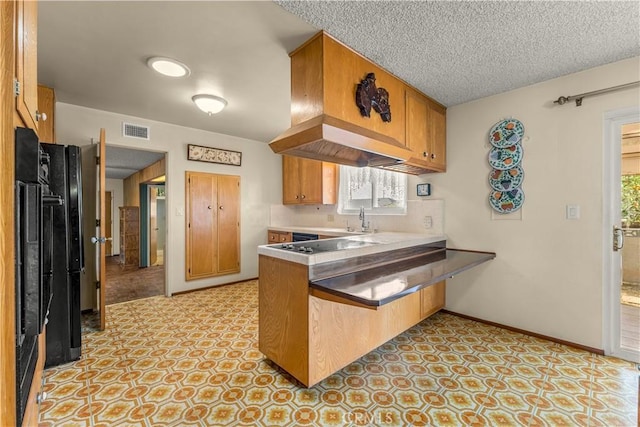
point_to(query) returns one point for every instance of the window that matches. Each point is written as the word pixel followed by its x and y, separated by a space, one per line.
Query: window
pixel 379 191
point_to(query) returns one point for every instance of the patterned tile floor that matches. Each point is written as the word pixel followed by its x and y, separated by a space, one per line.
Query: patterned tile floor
pixel 193 360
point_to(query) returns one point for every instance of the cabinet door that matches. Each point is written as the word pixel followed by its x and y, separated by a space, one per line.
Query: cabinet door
pixel 432 299
pixel 27 61
pixel 46 106
pixel 437 127
pixel 202 232
pixel 310 181
pixel 290 180
pixel 228 224
pixel 417 139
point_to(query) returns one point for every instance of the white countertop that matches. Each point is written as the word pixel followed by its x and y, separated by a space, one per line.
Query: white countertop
pixel 323 231
pixel 383 242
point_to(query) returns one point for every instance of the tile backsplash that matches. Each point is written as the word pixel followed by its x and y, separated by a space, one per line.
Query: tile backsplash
pixel 327 216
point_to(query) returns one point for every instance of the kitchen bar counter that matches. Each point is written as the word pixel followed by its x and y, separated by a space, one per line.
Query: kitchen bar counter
pixel 381 285
pixel 321 310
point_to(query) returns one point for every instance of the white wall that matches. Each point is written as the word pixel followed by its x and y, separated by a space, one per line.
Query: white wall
pixel 260 176
pixel 117 192
pixel 547 277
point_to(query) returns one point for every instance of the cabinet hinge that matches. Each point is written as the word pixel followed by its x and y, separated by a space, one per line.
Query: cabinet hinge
pixel 98 285
pixel 16 87
pixel 97 160
pixel 189 225
pixel 97 223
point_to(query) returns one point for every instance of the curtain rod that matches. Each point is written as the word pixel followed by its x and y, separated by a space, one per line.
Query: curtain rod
pixel 578 98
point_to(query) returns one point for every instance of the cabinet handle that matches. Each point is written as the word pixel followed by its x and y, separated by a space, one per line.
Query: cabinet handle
pixel 221 208
pixel 303 196
pixel 297 197
pixel 40 116
pixel 283 238
pixel 209 207
pixel 425 154
pixel 433 156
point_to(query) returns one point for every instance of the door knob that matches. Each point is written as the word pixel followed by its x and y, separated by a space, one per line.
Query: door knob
pixel 95 240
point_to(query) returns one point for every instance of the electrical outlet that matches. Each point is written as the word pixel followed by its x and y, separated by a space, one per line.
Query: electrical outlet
pixel 428 222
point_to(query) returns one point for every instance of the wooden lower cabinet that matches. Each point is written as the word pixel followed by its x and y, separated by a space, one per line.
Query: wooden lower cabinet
pixel 213 225
pixel 36 394
pixel 432 299
pixel 311 337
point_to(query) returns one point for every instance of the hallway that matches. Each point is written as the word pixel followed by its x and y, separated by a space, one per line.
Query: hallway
pixel 127 284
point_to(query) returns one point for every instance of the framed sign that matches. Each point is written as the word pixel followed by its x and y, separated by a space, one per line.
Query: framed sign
pixel 214 155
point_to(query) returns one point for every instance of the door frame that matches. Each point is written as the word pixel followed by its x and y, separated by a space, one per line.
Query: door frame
pixel 611 194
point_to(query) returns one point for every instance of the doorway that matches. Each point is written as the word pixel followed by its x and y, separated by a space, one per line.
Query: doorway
pixel 621 234
pixel 126 169
pixel 630 230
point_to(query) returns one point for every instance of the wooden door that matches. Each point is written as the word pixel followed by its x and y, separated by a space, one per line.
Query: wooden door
pixel 153 225
pixel 93 205
pixel 310 172
pixel 437 128
pixel 202 232
pixel 290 180
pixel 27 62
pixel 228 224
pixel 108 232
pixel 417 125
pixel 432 299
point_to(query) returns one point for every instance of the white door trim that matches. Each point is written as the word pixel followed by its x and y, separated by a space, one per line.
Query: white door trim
pixel 612 137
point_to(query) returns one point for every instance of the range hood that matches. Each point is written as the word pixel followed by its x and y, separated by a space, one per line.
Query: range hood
pixel 334 140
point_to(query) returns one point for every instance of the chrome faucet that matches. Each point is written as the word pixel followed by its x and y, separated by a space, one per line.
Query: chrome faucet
pixel 365 224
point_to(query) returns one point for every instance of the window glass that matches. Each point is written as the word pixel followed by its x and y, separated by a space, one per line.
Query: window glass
pixel 378 191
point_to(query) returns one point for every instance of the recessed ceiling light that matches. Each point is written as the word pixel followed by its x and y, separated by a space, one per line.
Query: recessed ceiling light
pixel 210 104
pixel 168 67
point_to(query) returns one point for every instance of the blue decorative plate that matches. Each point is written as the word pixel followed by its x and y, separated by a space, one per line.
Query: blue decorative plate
pixel 505 158
pixel 507 179
pixel 506 201
pixel 506 133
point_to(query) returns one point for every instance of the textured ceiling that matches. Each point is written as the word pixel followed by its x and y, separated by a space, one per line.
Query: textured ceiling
pixel 457 51
pixel 93 53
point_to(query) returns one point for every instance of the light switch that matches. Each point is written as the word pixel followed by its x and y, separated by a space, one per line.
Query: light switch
pixel 573 211
pixel 180 211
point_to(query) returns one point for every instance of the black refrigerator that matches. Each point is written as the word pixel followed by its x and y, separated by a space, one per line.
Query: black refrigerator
pixel 64 329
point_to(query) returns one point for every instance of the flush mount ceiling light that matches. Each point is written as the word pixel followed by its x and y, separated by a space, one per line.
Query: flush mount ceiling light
pixel 168 67
pixel 210 104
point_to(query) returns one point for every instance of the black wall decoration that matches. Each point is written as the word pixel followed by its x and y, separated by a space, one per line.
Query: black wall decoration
pixel 368 96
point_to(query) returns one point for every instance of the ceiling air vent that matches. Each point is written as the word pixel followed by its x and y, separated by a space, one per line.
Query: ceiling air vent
pixel 135 131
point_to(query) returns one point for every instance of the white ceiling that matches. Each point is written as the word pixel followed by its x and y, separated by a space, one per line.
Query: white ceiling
pixel 94 53
pixel 124 162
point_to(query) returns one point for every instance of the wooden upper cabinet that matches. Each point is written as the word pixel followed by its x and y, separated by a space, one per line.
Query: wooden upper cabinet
pixel 46 107
pixel 213 225
pixel 309 182
pixel 27 62
pixel 426 132
pixel 324 77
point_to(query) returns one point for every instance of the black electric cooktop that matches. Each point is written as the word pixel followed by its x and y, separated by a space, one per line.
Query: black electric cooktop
pixel 319 246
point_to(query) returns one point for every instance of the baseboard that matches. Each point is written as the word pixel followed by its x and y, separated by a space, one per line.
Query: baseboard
pixel 532 334
pixel 213 286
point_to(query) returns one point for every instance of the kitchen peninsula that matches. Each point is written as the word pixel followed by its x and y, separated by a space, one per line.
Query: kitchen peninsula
pixel 325 303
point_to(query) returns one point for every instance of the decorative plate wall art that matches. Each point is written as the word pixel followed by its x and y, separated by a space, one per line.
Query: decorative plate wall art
pixel 506 201
pixel 506 133
pixel 506 180
pixel 505 159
